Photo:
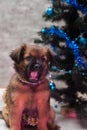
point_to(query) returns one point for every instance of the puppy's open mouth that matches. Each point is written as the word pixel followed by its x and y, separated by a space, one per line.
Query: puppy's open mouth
pixel 34 76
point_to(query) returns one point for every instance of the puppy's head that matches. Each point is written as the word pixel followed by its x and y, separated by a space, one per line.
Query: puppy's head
pixel 32 62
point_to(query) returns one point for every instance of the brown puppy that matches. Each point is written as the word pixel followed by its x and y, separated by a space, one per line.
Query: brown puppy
pixel 28 94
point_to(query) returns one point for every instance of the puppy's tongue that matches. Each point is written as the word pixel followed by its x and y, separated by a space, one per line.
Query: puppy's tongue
pixel 34 75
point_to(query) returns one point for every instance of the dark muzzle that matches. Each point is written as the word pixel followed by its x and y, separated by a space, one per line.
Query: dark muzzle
pixel 34 70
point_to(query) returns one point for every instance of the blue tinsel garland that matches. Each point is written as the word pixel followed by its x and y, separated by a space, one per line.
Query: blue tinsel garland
pixel 70 44
pixel 75 4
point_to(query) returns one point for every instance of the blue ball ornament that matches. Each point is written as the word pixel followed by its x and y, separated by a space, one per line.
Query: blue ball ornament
pixel 49 11
pixel 43 30
pixel 83 40
pixel 52 85
pixel 76 65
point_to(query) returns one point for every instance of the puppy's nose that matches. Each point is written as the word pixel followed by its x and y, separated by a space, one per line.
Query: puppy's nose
pixel 37 66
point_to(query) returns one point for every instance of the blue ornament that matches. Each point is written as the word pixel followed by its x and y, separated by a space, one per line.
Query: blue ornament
pixel 83 40
pixel 43 30
pixel 76 65
pixel 52 85
pixel 49 11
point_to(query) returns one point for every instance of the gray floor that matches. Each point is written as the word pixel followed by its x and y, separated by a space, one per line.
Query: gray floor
pixel 20 20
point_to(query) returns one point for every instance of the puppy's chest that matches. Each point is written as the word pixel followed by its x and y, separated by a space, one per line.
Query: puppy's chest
pixel 30 114
pixel 30 117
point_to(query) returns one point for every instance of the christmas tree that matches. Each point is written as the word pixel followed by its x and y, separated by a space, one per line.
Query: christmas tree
pixel 69 43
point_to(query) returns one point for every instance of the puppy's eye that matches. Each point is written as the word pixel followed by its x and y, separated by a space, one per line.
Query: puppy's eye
pixel 29 57
pixel 44 58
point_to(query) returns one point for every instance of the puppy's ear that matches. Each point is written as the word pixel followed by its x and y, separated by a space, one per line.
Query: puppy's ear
pixel 17 54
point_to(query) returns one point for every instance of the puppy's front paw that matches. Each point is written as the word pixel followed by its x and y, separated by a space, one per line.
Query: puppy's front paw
pixel 53 127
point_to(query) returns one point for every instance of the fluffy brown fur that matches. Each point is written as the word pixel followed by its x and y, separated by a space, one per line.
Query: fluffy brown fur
pixel 22 94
